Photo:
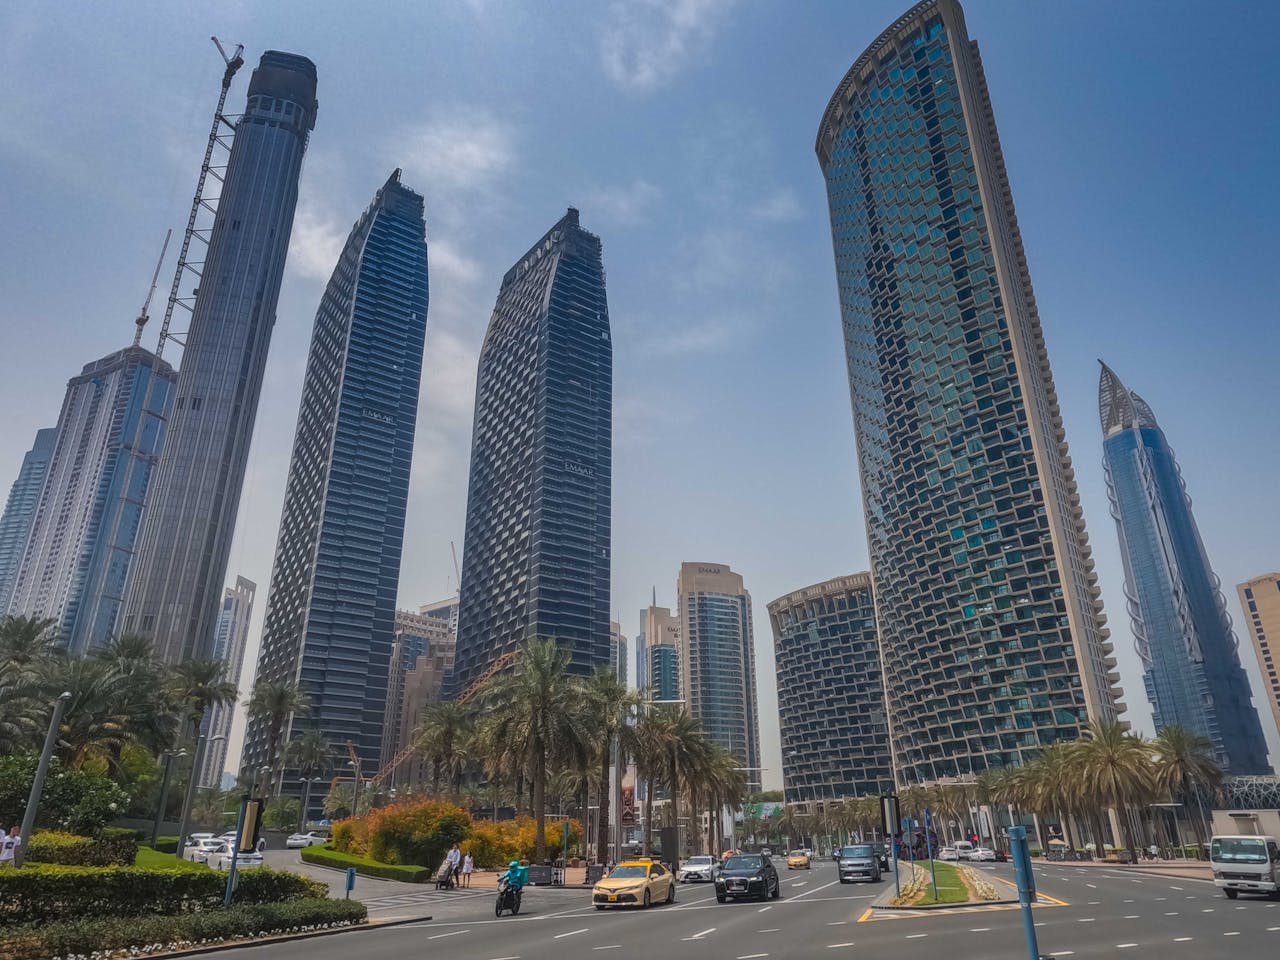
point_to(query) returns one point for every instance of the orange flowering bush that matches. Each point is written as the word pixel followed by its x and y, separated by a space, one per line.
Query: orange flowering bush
pixel 417 832
pixel 494 845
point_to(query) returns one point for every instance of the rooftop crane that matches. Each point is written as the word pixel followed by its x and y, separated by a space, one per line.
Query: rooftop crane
pixel 145 313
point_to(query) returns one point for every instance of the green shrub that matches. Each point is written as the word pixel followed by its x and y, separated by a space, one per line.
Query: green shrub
pixel 328 857
pixel 79 937
pixel 55 846
pixel 74 800
pixel 46 893
pixel 166 844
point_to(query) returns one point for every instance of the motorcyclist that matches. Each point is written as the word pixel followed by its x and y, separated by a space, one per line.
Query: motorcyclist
pixel 515 876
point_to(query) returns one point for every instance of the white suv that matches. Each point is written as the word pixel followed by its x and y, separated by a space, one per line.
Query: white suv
pixel 695 869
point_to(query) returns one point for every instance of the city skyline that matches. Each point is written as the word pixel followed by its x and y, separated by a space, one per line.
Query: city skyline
pixel 648 164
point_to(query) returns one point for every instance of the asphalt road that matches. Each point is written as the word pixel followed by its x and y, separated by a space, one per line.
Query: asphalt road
pixel 1105 914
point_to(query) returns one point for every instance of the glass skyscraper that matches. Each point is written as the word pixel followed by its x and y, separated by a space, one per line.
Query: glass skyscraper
pixel 657 656
pixel 331 606
pixel 110 432
pixel 717 660
pixel 229 642
pixel 835 738
pixel 536 554
pixel 20 510
pixel 1191 664
pixel 177 577
pixel 987 604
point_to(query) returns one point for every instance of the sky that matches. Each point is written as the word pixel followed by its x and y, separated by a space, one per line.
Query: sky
pixel 1141 143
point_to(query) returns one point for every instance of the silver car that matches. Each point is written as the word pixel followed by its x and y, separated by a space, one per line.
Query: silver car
pixel 699 869
pixel 858 862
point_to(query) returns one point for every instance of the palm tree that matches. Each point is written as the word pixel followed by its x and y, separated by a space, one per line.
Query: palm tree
pixel 25 641
pixel 608 705
pixel 197 686
pixel 676 740
pixel 1116 770
pixel 535 716
pixel 1184 767
pixel 277 702
pixel 441 737
pixel 311 753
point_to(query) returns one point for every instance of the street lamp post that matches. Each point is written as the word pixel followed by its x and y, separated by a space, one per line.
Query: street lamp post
pixel 169 757
pixel 306 800
pixel 201 742
pixel 355 793
pixel 37 784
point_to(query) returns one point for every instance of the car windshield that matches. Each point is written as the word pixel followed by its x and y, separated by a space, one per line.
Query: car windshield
pixel 798 853
pixel 698 861
pixel 1238 850
pixel 628 873
pixel 742 863
pixel 862 850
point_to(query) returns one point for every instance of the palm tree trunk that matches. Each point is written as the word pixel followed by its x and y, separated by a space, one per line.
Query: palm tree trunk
pixel 602 833
pixel 539 802
pixel 675 816
pixel 648 817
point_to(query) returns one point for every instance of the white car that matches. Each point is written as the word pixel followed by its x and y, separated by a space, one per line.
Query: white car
pixel 201 848
pixel 964 850
pixel 948 853
pixel 983 853
pixel 701 868
pixel 296 841
pixel 221 860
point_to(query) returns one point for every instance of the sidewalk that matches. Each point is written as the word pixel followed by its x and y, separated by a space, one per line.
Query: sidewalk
pixel 1174 868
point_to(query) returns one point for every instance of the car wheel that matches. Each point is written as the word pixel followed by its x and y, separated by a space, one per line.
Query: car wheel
pixel 647 898
pixel 671 893
pixel 777 889
pixel 721 898
pixel 1231 894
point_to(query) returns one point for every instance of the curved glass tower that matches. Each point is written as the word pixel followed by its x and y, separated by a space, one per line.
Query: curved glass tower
pixel 987 606
pixel 1192 670
pixel 176 580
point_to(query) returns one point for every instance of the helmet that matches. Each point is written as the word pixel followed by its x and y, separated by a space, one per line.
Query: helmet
pixel 515 863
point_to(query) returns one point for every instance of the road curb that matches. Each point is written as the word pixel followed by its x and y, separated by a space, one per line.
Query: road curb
pixel 925 908
pixel 287 937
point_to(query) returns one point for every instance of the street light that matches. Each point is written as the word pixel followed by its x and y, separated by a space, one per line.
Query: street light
pixel 355 803
pixel 169 757
pixel 37 785
pixel 306 800
pixel 197 762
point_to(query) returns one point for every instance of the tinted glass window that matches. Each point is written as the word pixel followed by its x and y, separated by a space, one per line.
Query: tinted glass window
pixel 742 863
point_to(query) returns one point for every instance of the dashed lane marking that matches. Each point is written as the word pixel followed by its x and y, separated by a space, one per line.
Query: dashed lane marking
pixel 1125 946
pixel 699 936
pixel 452 933
pixel 752 956
pixel 610 946
pixel 769 930
pixel 915 936
pixel 1181 939
pixel 837 923
pixel 763 909
pixel 1233 933
pixel 833 946
pixel 571 933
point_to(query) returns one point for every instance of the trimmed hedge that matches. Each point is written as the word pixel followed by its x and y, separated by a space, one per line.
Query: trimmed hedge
pixel 100 937
pixel 73 850
pixel 51 893
pixel 327 857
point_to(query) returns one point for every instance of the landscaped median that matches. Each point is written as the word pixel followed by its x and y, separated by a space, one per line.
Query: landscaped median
pixel 956 885
pixel 51 911
pixel 328 857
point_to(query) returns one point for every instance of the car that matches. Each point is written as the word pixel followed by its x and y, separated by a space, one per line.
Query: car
pixel 200 850
pixel 221 860
pixel 766 851
pixel 859 862
pixel 296 841
pixel 964 850
pixel 750 876
pixel 948 853
pixel 635 883
pixel 985 854
pixel 798 860
pixel 701 868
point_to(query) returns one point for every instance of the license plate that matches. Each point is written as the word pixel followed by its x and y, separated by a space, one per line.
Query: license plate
pixel 613 898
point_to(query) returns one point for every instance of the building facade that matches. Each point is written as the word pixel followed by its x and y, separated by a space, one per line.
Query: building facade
pixel 20 510
pixel 331 608
pixel 618 651
pixel 110 432
pixel 717 661
pixel 1181 630
pixel 229 641
pixel 661 631
pixel 422 653
pixel 181 563
pixel 536 560
pixel 1260 600
pixel 835 735
pixel 987 606
pixel 446 610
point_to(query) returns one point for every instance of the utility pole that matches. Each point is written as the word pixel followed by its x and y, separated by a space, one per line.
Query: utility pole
pixel 37 784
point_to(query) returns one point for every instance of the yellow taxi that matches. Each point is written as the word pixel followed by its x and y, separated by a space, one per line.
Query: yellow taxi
pixel 798 860
pixel 635 883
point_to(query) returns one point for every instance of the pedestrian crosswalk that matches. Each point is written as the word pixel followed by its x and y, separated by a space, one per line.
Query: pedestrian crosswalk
pixel 426 896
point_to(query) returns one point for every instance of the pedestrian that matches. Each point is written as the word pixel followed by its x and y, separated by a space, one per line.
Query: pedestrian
pixel 467 866
pixel 455 859
pixel 9 847
pixel 1154 851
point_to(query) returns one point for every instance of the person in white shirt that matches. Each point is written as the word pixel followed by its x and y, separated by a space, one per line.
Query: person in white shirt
pixel 455 860
pixel 467 866
pixel 9 847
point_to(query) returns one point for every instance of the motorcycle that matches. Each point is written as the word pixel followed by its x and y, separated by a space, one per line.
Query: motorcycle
pixel 508 899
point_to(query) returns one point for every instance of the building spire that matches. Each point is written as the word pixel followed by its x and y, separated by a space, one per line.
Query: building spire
pixel 1119 408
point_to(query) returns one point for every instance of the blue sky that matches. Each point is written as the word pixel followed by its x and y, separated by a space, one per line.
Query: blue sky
pixel 1141 141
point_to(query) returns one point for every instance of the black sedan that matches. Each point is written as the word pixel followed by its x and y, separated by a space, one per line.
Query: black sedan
pixel 747 876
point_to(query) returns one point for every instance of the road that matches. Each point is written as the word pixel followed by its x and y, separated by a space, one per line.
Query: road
pixel 1105 913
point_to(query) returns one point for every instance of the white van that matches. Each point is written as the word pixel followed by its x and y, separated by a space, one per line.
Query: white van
pixel 964 850
pixel 1248 863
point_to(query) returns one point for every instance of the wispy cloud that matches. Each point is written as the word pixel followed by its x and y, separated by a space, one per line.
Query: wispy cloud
pixel 625 204
pixel 465 149
pixel 644 44
pixel 781 206
pixel 316 241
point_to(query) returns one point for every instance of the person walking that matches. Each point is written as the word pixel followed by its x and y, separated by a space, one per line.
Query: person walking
pixel 467 866
pixel 455 861
pixel 9 847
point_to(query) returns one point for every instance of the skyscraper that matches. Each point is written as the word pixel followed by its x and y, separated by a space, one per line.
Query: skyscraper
pixel 835 738
pixel 618 651
pixel 536 558
pixel 717 660
pixel 421 655
pixel 20 510
pixel 332 602
pixel 229 640
pixel 1260 598
pixel 987 605
pixel 181 561
pixel 110 431
pixel 661 631
pixel 1191 666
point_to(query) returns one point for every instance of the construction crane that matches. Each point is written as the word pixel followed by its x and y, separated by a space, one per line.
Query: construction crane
pixel 232 64
pixel 145 313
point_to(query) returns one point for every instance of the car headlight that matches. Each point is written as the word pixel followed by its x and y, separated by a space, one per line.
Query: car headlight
pixel 756 879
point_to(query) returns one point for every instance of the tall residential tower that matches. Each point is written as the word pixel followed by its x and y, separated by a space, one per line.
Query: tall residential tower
pixel 229 642
pixel 1191 665
pixel 332 603
pixel 20 510
pixel 987 606
pixel 1260 599
pixel 178 573
pixel 536 558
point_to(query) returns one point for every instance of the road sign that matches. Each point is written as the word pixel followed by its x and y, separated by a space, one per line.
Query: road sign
pixel 351 881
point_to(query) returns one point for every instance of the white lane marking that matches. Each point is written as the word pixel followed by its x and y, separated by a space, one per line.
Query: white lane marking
pixel 612 946
pixel 1181 939
pixel 1158 899
pixel 453 933
pixel 1063 953
pixel 699 936
pixel 769 930
pixel 837 923
pixel 1089 919
pixel 832 946
pixel 980 930
pixel 1092 886
pixel 1128 901
pixel 1094 903
pixel 800 883
pixel 571 933
pixel 816 889
pixel 1233 933
pixel 1272 929
pixel 1242 908
pixel 916 936
pixel 763 909
pixel 516 957
pixel 1177 888
pixel 1207 910
pixel 752 956
pixel 1133 916
pixel 1125 946
pixel 1172 913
